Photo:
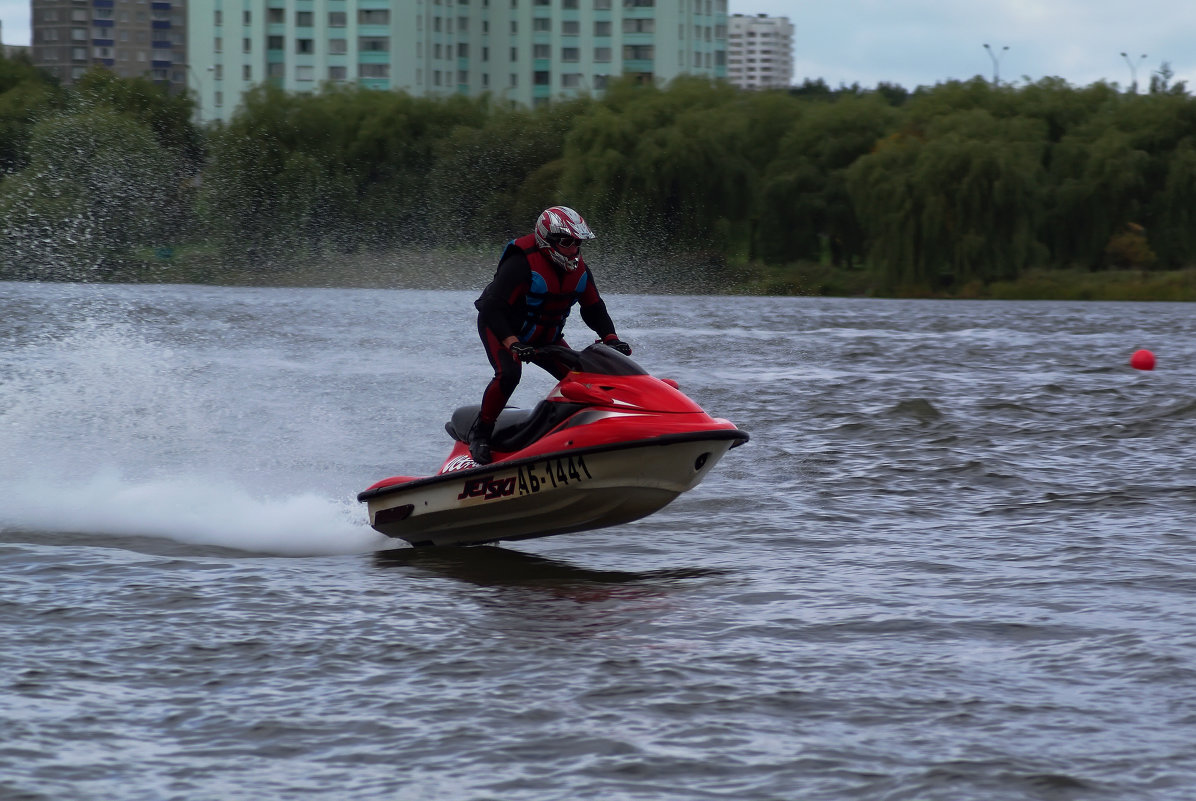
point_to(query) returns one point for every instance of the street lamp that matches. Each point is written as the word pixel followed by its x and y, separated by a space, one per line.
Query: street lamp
pixel 996 62
pixel 1134 70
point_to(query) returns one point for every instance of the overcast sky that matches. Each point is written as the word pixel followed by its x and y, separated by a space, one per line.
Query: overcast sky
pixel 924 42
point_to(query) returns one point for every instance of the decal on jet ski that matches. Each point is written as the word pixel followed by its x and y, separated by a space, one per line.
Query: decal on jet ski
pixel 488 488
pixel 460 463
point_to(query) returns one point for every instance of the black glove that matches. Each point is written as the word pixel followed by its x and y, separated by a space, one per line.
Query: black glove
pixel 617 344
pixel 523 352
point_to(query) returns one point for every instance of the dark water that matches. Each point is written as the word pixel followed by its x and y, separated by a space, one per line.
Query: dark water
pixel 955 562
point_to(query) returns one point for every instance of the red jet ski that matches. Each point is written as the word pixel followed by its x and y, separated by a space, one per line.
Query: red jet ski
pixel 610 444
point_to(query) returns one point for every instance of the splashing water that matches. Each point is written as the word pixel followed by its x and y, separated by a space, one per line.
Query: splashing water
pixel 112 425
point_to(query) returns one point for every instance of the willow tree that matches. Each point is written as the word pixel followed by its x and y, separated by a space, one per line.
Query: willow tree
pixel 95 188
pixel 1175 223
pixel 491 181
pixel 25 94
pixel 340 169
pixel 804 200
pixel 1125 166
pixel 958 202
pixel 659 167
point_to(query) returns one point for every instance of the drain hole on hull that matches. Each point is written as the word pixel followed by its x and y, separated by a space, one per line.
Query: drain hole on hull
pixel 700 461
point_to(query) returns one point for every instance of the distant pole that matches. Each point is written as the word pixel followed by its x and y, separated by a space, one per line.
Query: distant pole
pixel 996 62
pixel 1133 70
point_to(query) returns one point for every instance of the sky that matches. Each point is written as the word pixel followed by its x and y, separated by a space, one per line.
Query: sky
pixel 924 42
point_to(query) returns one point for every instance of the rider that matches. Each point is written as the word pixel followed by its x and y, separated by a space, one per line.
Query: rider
pixel 539 278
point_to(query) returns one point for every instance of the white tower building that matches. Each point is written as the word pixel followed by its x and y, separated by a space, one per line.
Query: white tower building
pixel 759 51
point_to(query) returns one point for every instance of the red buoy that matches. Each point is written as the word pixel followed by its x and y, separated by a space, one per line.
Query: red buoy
pixel 1142 360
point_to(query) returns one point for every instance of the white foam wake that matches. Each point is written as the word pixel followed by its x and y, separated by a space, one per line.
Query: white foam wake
pixel 199 511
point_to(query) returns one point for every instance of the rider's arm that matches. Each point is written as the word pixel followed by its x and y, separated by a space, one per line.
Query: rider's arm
pixel 593 310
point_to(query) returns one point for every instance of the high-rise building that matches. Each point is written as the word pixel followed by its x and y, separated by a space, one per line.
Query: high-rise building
pixel 524 51
pixel 759 51
pixel 133 38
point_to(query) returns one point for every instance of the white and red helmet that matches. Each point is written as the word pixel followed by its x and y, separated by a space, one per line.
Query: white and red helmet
pixel 561 230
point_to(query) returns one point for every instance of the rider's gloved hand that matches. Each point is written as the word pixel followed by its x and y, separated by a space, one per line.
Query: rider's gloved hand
pixel 522 351
pixel 612 341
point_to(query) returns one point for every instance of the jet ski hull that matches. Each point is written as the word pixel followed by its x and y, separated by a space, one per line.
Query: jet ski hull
pixel 553 493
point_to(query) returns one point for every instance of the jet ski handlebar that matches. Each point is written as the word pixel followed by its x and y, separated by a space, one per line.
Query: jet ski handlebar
pixel 597 358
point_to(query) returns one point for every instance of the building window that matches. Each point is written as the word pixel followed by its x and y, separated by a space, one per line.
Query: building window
pixel 274 43
pixel 276 16
pixel 305 45
pixel 602 28
pixel 602 54
pixel 373 16
pixel 305 72
pixel 570 54
pixel 373 70
pixel 541 24
pixel 541 51
pixel 338 73
pixel 247 72
pixel 571 27
pixel 542 78
pixel 338 46
pixel 373 44
pixel 639 26
pixel 337 19
pixel 303 19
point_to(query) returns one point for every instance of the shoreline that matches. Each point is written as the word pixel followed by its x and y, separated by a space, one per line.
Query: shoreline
pixel 472 270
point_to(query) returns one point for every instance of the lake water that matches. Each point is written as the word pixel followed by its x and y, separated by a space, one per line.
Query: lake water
pixel 956 561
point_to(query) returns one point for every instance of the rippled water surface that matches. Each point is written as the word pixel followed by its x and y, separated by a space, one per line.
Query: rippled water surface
pixel 955 561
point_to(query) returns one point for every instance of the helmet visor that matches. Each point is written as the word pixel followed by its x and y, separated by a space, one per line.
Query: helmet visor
pixel 564 241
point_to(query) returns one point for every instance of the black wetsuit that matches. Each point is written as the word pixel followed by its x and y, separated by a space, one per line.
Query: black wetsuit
pixel 530 298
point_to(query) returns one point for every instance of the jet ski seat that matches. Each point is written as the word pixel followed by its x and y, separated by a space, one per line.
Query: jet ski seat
pixel 515 428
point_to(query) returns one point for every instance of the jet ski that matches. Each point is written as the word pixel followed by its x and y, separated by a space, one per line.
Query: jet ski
pixel 608 445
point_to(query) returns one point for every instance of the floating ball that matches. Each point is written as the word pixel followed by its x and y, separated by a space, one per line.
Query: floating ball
pixel 1142 360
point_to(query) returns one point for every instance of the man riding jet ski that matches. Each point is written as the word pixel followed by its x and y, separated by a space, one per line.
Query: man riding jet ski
pixel 539 278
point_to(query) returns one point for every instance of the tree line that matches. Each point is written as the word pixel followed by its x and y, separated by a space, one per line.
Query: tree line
pixel 965 181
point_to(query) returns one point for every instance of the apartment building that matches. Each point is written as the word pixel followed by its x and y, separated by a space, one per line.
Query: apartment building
pixel 759 51
pixel 133 38
pixel 524 51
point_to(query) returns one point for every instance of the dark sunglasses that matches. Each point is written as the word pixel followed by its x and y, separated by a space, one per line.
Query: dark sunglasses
pixel 565 241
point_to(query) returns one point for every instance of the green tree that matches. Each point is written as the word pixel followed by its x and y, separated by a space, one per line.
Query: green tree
pixel 804 196
pixel 95 187
pixel 25 93
pixel 957 203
